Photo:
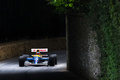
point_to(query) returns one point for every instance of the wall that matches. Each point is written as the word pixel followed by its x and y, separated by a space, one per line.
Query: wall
pixel 82 50
pixel 17 48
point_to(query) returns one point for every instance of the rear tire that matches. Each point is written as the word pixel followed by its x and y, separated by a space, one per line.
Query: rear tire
pixel 21 61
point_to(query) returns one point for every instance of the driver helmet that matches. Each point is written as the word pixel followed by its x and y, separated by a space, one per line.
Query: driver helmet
pixel 37 52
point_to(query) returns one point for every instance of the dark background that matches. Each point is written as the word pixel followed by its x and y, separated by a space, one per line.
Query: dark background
pixel 29 19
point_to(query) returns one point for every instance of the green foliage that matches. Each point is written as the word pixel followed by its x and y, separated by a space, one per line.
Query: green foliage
pixel 68 6
pixel 105 15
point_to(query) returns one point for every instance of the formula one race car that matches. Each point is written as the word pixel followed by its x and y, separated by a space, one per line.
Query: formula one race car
pixel 38 58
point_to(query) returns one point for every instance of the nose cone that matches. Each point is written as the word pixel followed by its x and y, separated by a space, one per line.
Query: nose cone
pixel 35 61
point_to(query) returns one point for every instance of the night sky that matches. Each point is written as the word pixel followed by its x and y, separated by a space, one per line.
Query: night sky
pixel 29 19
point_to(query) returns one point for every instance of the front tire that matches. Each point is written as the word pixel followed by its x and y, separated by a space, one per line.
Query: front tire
pixel 51 61
pixel 55 56
pixel 21 61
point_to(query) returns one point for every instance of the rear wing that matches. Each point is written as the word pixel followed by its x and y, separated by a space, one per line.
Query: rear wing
pixel 40 49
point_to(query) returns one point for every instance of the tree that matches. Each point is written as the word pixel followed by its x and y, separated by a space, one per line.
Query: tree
pixel 69 6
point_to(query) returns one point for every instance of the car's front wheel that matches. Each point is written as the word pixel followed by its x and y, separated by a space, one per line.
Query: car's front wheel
pixel 51 61
pixel 55 57
pixel 21 61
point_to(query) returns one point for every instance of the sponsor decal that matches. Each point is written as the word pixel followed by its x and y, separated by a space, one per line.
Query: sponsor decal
pixel 40 49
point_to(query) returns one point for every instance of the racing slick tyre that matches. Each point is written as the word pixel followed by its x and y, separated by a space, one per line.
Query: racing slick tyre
pixel 51 61
pixel 21 61
pixel 55 56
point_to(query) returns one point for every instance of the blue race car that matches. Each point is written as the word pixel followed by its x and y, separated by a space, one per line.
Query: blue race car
pixel 38 58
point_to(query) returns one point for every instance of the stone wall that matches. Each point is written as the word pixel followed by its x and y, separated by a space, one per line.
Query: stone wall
pixel 82 50
pixel 17 48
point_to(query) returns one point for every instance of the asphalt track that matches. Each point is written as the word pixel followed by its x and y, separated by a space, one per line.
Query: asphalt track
pixel 10 70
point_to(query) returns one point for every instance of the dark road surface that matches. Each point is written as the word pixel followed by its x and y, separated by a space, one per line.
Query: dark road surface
pixel 10 70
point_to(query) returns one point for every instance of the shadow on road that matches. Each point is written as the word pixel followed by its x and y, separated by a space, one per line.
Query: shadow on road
pixel 40 76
